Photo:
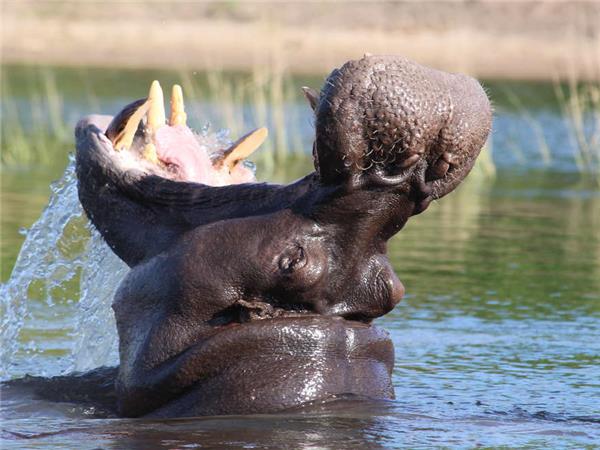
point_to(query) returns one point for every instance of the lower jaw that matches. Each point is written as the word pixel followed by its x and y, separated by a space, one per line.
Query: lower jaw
pixel 291 361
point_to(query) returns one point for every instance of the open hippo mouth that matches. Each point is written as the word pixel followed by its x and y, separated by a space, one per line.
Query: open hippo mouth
pixel 247 297
pixel 141 135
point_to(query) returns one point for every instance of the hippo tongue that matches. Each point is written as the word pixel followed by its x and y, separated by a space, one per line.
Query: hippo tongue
pixel 177 145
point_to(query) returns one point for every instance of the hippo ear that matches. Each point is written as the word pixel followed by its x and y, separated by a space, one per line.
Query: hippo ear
pixel 312 95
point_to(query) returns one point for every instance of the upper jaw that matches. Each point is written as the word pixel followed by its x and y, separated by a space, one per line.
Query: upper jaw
pixel 386 121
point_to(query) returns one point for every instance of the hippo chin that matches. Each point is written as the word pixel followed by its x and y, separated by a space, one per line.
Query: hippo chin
pixel 246 297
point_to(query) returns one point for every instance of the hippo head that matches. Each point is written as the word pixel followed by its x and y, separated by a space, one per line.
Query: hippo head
pixel 246 297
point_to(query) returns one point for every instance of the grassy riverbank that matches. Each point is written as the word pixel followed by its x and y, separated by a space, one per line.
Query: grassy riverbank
pixel 41 105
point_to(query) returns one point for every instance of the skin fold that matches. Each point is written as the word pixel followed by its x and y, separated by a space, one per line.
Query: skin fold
pixel 256 297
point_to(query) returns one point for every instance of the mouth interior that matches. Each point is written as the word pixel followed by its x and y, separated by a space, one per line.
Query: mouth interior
pixel 244 311
pixel 143 138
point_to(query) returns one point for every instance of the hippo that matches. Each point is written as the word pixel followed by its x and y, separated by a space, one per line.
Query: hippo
pixel 246 297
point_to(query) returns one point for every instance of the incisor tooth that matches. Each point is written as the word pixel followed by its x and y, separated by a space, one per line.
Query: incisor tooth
pixel 156 113
pixel 125 138
pixel 178 115
pixel 245 146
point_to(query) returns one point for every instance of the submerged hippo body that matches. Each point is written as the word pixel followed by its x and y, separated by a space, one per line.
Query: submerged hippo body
pixel 254 298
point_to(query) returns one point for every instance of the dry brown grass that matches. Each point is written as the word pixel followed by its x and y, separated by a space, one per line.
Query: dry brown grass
pixel 535 40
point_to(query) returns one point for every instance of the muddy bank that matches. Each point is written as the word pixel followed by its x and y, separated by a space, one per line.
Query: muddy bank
pixel 519 40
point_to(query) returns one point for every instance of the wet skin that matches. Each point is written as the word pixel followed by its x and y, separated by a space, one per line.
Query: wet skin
pixel 256 298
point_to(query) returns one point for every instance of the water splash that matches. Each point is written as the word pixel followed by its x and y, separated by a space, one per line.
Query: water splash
pixel 56 314
pixel 56 305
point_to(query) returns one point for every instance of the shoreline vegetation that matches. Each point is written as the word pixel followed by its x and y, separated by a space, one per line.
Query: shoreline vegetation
pixel 41 104
pixel 559 40
pixel 493 40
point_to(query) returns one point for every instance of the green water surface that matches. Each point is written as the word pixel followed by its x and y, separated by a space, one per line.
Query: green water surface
pixel 498 338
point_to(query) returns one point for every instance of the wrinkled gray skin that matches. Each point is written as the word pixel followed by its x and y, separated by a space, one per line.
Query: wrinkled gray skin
pixel 256 298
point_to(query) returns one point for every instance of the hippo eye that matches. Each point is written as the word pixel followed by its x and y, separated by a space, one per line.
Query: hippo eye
pixel 292 259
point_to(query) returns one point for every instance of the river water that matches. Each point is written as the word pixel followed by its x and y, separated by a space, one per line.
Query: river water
pixel 497 340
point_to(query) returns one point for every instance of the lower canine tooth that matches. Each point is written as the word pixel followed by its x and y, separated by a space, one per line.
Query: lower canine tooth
pixel 245 146
pixel 156 113
pixel 124 139
pixel 178 115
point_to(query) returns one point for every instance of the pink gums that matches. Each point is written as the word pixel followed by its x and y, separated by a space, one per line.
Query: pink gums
pixel 179 146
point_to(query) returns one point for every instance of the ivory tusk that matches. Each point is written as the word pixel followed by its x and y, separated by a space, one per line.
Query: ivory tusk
pixel 244 146
pixel 178 115
pixel 124 138
pixel 156 113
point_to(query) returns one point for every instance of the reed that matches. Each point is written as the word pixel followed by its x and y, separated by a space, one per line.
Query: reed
pixel 265 97
pixel 580 105
pixel 534 125
pixel 37 120
pixel 33 129
pixel 36 130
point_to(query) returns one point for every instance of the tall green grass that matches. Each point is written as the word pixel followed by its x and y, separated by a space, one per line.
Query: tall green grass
pixel 580 105
pixel 265 96
pixel 36 130
pixel 38 137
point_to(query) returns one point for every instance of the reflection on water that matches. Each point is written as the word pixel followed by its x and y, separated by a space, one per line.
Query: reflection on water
pixel 343 425
pixel 497 341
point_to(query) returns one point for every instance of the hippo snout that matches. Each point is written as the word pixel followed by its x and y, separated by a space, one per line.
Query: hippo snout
pixel 374 292
pixel 384 120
